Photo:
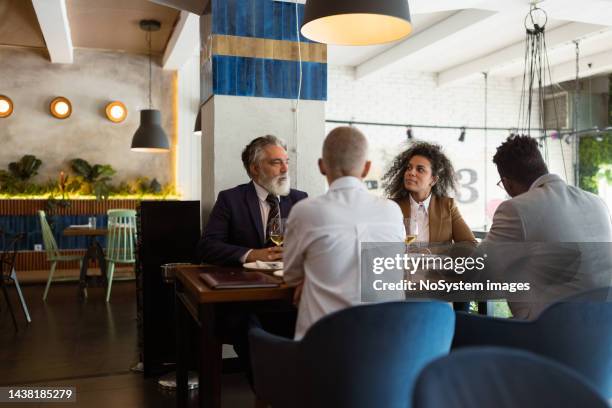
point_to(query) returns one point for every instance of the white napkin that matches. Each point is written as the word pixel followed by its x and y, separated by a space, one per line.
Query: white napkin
pixel 268 265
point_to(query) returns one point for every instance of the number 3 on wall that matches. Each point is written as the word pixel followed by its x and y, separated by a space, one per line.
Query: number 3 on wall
pixel 467 193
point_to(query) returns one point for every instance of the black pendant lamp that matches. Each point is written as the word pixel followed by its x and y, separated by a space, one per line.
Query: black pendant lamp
pixel 356 22
pixel 150 136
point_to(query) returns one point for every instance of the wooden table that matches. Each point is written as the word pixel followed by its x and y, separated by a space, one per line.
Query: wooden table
pixel 196 302
pixel 94 251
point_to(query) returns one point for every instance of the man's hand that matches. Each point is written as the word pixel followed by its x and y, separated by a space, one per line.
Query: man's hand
pixel 266 254
pixel 297 293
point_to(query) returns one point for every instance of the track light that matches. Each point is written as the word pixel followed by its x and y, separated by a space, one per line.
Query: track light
pixel 541 141
pixel 462 135
pixel 409 132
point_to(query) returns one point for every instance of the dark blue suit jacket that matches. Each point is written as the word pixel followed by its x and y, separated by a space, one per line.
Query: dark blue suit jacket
pixel 235 224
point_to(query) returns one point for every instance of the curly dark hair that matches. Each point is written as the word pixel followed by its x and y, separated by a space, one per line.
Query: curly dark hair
pixel 519 159
pixel 393 180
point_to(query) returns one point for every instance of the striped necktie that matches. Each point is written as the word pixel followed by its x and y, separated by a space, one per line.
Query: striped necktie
pixel 274 213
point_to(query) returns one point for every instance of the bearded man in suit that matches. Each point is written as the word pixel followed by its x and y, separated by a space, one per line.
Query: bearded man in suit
pixel 238 229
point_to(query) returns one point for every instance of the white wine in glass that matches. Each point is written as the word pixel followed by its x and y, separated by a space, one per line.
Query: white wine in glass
pixel 277 239
pixel 409 239
pixel 277 231
pixel 412 230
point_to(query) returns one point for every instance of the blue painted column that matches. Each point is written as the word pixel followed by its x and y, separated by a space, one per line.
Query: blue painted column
pixel 252 60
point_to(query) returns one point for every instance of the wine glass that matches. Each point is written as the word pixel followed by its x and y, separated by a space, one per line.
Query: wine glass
pixel 277 230
pixel 412 230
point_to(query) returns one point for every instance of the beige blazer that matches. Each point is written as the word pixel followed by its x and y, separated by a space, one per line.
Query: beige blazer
pixel 445 221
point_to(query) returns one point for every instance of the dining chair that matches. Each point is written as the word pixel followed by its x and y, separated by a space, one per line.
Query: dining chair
pixel 576 332
pixel 363 356
pixel 8 275
pixel 120 242
pixel 483 377
pixel 53 253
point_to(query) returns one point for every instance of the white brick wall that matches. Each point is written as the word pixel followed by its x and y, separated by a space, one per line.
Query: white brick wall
pixel 415 98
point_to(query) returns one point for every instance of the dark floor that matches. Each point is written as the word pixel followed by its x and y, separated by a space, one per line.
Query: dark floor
pixel 90 345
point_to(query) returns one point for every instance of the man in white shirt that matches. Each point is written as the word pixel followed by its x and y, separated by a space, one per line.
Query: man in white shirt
pixel 324 234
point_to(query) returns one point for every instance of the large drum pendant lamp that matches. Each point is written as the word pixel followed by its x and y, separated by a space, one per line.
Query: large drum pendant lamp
pixel 356 22
pixel 150 136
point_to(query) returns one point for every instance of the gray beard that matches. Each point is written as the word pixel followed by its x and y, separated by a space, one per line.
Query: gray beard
pixel 279 185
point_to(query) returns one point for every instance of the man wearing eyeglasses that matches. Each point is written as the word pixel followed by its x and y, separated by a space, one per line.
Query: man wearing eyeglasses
pixel 554 235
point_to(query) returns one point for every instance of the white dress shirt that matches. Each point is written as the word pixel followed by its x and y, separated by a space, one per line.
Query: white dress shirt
pixel 264 209
pixel 322 246
pixel 419 213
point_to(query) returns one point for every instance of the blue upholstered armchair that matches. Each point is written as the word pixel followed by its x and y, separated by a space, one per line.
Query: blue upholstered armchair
pixel 576 332
pixel 364 356
pixel 483 377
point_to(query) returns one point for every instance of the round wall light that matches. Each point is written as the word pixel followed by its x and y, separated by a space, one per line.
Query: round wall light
pixel 60 107
pixel 6 106
pixel 116 112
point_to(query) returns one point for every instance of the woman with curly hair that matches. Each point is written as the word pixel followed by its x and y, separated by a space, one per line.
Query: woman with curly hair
pixel 419 180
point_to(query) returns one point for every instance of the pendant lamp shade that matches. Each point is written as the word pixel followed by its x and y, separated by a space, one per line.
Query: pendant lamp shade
pixel 150 136
pixel 356 22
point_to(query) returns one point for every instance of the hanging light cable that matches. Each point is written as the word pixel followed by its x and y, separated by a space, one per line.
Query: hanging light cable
pixel 576 144
pixel 150 136
pixel 485 76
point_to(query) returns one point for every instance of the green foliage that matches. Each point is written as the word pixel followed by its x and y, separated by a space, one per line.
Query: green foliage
pixel 87 180
pixel 92 179
pixel 595 153
pixel 91 174
pixel 606 173
pixel 25 168
pixel 52 205
pixel 144 186
pixel 18 176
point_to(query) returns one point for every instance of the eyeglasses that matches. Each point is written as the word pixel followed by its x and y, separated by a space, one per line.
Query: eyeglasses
pixel 500 184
